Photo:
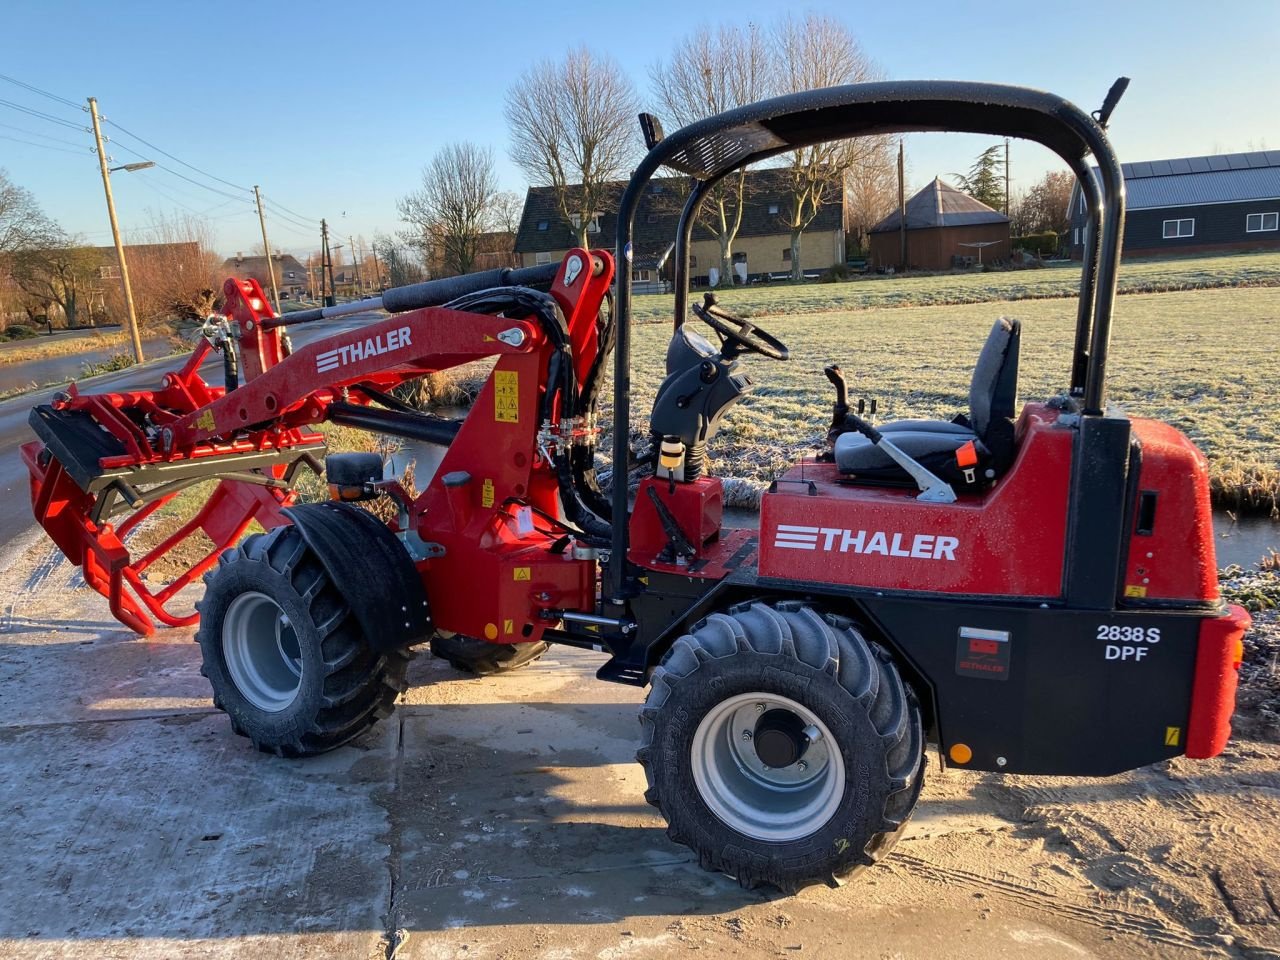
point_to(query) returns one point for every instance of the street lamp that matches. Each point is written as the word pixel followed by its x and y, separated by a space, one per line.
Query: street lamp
pixel 115 226
pixel 131 167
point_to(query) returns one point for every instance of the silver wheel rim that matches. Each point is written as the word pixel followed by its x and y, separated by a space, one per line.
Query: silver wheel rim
pixel 261 651
pixel 765 803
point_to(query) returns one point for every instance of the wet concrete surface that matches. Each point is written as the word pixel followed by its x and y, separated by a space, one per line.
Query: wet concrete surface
pixel 487 818
pixel 14 376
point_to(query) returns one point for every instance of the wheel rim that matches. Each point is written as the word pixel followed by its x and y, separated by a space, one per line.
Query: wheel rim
pixel 261 651
pixel 762 802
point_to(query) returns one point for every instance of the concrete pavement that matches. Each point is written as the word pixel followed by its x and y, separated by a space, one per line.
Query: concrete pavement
pixel 494 818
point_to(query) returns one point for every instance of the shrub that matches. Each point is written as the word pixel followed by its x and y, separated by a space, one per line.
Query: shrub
pixel 1041 244
pixel 117 361
pixel 18 331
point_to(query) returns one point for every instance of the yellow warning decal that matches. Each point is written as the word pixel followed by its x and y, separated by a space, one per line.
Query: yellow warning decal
pixel 523 573
pixel 1172 736
pixel 506 396
pixel 486 494
pixel 508 626
pixel 205 421
pixel 1135 590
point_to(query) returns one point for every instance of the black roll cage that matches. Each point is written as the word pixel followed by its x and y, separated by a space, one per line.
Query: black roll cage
pixel 711 149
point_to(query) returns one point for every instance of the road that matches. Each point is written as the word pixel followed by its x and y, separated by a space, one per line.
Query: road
pixel 15 518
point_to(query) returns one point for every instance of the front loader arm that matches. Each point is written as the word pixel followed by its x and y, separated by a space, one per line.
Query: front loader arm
pixel 298 389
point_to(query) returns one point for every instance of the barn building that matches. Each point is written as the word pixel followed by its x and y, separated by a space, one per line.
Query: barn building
pixel 1229 201
pixel 945 229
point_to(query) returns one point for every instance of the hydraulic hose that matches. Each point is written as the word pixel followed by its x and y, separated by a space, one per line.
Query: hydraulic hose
pixel 561 383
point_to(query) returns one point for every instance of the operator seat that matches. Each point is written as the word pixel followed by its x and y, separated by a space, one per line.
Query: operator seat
pixel 993 400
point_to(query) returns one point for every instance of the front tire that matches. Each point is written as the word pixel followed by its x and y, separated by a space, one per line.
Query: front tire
pixel 781 746
pixel 284 653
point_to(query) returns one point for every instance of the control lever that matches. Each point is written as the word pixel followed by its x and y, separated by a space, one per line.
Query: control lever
pixel 933 489
pixel 839 409
pixel 677 542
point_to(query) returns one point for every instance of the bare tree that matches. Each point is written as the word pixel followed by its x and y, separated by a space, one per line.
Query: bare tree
pixel 707 73
pixel 173 270
pixel 573 128
pixel 450 211
pixel 1045 205
pixel 505 212
pixel 22 222
pixel 58 271
pixel 400 264
pixel 815 52
pixel 871 193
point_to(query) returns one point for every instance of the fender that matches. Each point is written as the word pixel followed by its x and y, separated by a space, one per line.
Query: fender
pixel 371 569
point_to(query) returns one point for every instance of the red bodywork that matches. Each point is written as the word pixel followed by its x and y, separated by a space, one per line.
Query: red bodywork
pixel 1008 541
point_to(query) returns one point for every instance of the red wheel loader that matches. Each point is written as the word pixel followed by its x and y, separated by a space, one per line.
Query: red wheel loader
pixel 1032 589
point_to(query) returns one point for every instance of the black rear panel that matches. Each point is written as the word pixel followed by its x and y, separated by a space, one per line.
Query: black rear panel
pixel 1050 691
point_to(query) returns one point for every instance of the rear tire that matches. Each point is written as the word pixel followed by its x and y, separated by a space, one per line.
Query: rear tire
pixel 839 794
pixel 284 654
pixel 484 659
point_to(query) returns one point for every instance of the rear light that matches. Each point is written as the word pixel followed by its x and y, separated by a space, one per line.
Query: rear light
pixel 1213 693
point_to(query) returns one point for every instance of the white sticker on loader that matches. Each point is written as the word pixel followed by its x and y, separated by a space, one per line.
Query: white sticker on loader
pixel 363 349
pixel 921 546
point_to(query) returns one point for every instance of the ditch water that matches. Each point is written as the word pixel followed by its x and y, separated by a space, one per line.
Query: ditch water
pixel 1244 540
pixel 15 376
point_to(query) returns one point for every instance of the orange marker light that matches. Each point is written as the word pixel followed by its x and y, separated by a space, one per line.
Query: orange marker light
pixel 960 753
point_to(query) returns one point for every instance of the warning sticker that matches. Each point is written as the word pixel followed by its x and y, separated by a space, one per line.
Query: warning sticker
pixel 983 653
pixel 506 396
pixel 1172 736
pixel 486 493
pixel 205 420
pixel 523 573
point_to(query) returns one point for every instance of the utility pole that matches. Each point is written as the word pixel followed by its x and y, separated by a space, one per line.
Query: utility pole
pixel 377 268
pixel 326 263
pixel 115 233
pixel 266 248
pixel 1006 176
pixel 355 262
pixel 902 206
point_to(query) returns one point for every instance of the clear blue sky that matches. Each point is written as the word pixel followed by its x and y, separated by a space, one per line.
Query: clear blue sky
pixel 334 108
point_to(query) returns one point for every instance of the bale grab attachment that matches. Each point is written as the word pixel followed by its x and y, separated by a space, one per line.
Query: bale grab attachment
pixel 104 463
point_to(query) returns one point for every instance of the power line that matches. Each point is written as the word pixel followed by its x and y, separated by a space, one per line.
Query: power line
pixel 45 136
pixel 182 176
pixel 43 93
pixel 277 203
pixel 41 115
pixel 43 146
pixel 189 166
pixel 289 228
pixel 306 224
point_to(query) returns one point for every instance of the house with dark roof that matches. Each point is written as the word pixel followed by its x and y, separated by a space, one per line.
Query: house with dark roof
pixel 761 249
pixel 944 228
pixel 291 276
pixel 1228 201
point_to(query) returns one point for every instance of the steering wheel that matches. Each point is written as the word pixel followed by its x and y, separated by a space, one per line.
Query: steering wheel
pixel 737 335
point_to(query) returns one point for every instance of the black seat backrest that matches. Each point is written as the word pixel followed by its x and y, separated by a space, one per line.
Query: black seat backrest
pixel 993 393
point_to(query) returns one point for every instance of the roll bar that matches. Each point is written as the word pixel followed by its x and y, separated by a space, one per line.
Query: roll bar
pixel 712 148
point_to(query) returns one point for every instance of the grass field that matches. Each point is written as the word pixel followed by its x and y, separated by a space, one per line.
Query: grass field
pixel 873 291
pixel 1207 361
